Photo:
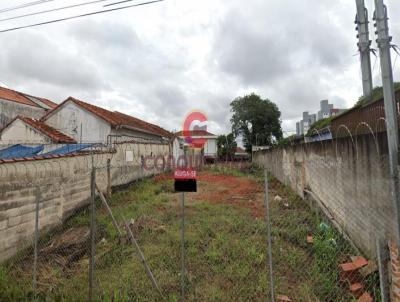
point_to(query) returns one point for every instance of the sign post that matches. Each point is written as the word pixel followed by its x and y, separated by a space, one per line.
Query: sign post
pixel 185 181
pixel 183 266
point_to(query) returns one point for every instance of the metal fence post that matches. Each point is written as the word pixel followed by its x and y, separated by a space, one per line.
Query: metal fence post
pixel 183 272
pixel 35 251
pixel 92 231
pixel 268 221
pixel 109 177
pixel 383 258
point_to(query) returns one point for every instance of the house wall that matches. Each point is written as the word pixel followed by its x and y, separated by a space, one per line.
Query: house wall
pixel 19 132
pixel 176 150
pixel 9 110
pixel 350 177
pixel 210 148
pixel 61 186
pixel 79 124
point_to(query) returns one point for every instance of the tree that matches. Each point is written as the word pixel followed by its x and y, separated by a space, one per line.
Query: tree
pixel 256 120
pixel 226 146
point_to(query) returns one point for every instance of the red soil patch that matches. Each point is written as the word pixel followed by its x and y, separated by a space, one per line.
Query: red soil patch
pixel 239 191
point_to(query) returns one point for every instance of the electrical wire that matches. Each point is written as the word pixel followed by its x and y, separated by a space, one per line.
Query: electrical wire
pixel 79 16
pixel 116 3
pixel 51 10
pixel 9 9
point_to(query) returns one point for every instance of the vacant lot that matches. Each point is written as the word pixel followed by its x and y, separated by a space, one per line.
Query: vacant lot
pixel 226 249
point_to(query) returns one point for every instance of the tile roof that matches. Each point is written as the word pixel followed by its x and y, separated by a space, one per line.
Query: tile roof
pixel 195 133
pixel 22 98
pixel 135 122
pixel 52 133
pixel 49 103
pixel 117 119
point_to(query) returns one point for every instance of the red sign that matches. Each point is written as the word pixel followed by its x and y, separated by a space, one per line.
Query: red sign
pixel 185 174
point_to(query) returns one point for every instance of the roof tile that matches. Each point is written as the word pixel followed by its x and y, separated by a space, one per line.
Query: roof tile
pixel 116 119
pixel 194 133
pixel 21 98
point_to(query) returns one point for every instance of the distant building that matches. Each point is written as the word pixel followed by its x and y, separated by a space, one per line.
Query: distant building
pixel 14 103
pixel 209 151
pixel 326 110
pixel 305 124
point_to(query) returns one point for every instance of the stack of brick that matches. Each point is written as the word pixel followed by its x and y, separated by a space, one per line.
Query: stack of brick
pixel 349 274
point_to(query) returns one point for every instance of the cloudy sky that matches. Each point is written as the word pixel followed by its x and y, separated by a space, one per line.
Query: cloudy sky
pixel 161 61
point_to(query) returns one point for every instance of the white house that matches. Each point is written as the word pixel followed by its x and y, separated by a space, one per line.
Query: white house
pixel 209 150
pixel 28 131
pixel 91 124
pixel 14 103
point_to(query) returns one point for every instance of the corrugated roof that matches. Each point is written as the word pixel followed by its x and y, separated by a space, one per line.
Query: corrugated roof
pixel 22 98
pixel 116 119
pixel 194 133
pixel 52 133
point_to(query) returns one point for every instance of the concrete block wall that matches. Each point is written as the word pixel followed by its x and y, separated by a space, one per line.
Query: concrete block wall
pixel 350 176
pixel 61 185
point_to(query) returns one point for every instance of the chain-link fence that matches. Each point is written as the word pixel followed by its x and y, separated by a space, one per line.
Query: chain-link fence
pixel 331 218
pixel 60 239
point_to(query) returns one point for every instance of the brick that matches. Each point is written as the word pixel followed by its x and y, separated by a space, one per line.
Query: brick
pixel 283 298
pixel 356 289
pixel 365 297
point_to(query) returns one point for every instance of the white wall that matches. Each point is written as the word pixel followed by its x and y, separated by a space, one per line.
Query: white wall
pixel 70 119
pixel 20 133
pixel 9 110
pixel 210 148
pixel 176 150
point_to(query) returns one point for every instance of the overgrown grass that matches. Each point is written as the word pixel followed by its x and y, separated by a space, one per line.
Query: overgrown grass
pixel 226 251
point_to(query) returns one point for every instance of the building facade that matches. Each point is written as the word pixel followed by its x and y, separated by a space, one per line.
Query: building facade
pixel 14 103
pixel 326 110
pixel 87 123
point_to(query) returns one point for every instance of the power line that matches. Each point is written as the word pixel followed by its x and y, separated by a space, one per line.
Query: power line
pixel 116 3
pixel 33 3
pixel 51 10
pixel 79 16
pixel 120 2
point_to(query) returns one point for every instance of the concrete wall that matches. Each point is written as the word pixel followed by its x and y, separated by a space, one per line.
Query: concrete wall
pixel 9 110
pixel 62 185
pixel 349 176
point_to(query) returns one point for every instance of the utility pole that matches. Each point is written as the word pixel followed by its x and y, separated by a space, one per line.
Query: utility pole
pixel 383 41
pixel 364 44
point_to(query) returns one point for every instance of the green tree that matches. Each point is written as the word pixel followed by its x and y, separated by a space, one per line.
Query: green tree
pixel 256 120
pixel 226 146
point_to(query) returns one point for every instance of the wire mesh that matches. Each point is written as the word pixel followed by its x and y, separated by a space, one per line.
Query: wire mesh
pixel 331 212
pixel 329 208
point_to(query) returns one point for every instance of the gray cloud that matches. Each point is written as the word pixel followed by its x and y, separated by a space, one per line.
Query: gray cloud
pixel 34 57
pixel 162 62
